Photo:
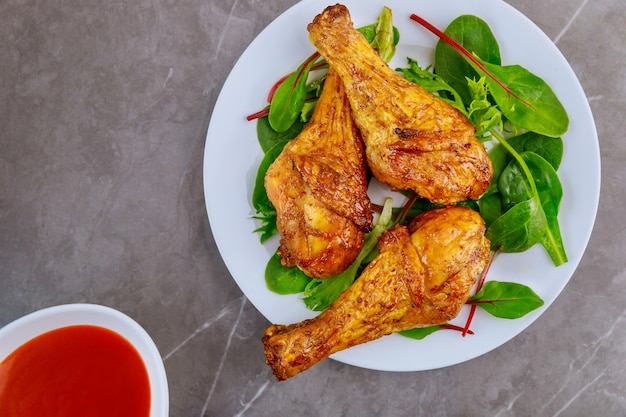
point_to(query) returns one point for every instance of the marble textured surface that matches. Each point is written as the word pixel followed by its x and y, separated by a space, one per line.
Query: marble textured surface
pixel 104 112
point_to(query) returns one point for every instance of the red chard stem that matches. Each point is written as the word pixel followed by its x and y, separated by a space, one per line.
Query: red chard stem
pixel 277 84
pixel 481 282
pixel 258 114
pixel 455 327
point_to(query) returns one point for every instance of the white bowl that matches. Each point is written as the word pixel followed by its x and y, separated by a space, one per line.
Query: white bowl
pixel 20 331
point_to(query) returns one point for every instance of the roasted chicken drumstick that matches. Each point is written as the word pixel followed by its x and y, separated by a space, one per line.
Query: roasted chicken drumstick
pixel 414 140
pixel 318 187
pixel 421 277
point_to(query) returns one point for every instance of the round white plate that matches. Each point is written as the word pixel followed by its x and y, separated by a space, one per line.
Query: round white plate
pixel 20 331
pixel 232 155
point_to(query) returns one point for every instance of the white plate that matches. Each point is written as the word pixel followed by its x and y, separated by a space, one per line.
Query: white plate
pixel 232 155
pixel 20 331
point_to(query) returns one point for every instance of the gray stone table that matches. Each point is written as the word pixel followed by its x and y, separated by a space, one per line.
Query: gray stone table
pixel 104 112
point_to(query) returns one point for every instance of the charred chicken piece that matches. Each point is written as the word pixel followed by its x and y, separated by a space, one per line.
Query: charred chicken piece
pixel 318 187
pixel 419 278
pixel 414 140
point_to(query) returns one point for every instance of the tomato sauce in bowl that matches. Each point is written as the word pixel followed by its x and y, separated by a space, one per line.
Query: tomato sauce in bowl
pixel 77 370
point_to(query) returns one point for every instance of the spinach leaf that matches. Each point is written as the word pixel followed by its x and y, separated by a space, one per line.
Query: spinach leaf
pixel 320 293
pixel 549 148
pixel 490 207
pixel 549 192
pixel 525 99
pixel 261 203
pixel 268 137
pixel 289 97
pixel 476 36
pixel 420 333
pixel 500 158
pixel 519 228
pixel 506 300
pixel 283 280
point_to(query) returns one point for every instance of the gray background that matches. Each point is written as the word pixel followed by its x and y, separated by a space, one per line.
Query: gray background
pixel 103 117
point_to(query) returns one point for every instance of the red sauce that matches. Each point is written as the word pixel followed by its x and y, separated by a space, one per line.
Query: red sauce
pixel 82 371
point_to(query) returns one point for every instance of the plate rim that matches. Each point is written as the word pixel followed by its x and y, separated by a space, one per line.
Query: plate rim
pixel 347 356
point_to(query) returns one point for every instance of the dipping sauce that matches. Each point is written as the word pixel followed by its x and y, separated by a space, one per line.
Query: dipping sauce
pixel 75 371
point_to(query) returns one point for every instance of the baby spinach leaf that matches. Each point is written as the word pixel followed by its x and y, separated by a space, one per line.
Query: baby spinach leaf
pixel 524 98
pixel 549 192
pixel 259 196
pixel 519 196
pixel 500 158
pixel 476 36
pixel 261 203
pixel 519 228
pixel 549 148
pixel 284 280
pixel 268 137
pixel 289 97
pixel 320 293
pixel 421 332
pixel 490 207
pixel 528 101
pixel 514 186
pixel 506 300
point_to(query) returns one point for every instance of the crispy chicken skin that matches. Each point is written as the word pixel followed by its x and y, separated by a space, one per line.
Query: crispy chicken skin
pixel 414 140
pixel 418 279
pixel 318 186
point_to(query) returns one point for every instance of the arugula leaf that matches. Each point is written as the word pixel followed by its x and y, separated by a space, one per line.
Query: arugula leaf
pixel 483 114
pixel 507 300
pixel 432 83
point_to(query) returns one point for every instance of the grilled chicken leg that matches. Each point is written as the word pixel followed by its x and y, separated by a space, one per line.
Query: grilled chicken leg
pixel 318 187
pixel 417 280
pixel 414 140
